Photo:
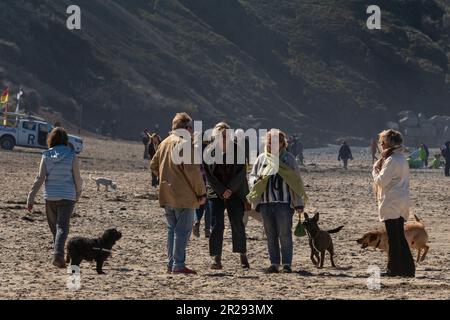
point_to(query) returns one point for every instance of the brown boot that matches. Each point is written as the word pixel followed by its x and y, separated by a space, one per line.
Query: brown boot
pixel 58 261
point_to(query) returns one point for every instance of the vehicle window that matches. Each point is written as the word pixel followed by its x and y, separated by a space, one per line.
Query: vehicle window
pixel 43 127
pixel 29 125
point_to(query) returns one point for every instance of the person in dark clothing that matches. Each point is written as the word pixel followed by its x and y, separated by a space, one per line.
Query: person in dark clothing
pixel 204 210
pixel 427 154
pixel 153 146
pixel 227 188
pixel 296 148
pixel 345 154
pixel 146 141
pixel 446 155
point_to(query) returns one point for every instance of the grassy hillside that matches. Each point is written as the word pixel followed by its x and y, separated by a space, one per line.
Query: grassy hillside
pixel 306 66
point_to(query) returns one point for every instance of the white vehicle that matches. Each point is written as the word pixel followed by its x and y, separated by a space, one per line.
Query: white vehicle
pixel 30 132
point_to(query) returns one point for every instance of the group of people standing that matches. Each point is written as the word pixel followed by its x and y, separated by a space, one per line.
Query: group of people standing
pixel 224 185
pixel 274 188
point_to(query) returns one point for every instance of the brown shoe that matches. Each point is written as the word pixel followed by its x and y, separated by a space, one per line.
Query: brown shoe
pixel 184 271
pixel 58 261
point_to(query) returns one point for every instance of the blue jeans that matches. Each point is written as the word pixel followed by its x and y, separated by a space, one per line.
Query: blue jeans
pixel 277 220
pixel 204 211
pixel 179 228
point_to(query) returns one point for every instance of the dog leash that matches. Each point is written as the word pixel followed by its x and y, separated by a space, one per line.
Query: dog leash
pixel 312 240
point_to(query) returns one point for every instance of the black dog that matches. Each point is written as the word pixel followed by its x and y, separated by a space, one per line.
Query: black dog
pixel 319 240
pixel 79 249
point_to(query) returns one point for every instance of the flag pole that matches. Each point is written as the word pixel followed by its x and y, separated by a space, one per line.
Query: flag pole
pixel 4 100
pixel 19 97
pixel 5 118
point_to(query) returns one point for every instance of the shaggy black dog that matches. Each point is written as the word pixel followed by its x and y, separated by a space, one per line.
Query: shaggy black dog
pixel 79 249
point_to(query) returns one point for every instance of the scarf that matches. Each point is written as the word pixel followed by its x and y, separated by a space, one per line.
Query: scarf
pixel 292 179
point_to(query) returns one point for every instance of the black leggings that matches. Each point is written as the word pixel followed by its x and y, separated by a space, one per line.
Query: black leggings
pixel 400 260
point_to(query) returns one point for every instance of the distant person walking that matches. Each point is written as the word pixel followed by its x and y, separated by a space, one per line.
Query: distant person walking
pixel 60 171
pixel 296 148
pixel 427 154
pixel 227 188
pixel 181 191
pixel 345 154
pixel 146 141
pixel 276 194
pixel 374 150
pixel 446 155
pixel 391 186
pixel 153 146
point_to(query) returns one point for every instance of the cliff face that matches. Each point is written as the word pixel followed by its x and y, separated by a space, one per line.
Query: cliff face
pixel 305 66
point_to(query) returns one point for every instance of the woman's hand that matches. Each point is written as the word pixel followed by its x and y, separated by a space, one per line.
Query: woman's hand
pixel 300 211
pixel 227 194
pixel 202 201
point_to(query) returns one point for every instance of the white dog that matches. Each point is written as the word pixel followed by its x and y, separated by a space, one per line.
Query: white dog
pixel 104 182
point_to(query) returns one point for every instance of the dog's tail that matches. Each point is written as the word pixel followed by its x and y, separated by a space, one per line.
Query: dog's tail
pixel 336 230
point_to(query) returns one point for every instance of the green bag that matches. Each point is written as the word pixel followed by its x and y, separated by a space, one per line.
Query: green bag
pixel 299 229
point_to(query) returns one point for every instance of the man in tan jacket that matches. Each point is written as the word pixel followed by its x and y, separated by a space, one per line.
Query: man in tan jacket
pixel 181 191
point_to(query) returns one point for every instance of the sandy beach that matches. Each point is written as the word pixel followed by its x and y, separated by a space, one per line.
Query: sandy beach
pixel 137 268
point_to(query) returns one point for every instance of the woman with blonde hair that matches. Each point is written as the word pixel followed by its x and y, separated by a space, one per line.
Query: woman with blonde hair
pixel 277 191
pixel 226 185
pixel 391 186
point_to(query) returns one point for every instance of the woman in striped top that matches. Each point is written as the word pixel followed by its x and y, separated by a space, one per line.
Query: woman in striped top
pixel 278 201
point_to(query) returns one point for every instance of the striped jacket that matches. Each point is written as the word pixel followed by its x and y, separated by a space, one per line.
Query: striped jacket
pixel 277 191
pixel 60 171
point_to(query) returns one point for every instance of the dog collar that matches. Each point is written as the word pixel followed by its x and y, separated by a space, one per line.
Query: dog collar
pixel 104 250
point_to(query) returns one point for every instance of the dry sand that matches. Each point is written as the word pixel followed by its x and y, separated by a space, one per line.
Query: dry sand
pixel 137 267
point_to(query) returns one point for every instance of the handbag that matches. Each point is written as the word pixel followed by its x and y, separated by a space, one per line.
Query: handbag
pixel 299 229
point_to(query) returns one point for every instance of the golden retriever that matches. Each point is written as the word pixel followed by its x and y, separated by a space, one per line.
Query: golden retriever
pixel 415 234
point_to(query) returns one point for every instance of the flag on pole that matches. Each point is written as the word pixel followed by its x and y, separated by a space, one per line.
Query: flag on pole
pixel 19 96
pixel 5 96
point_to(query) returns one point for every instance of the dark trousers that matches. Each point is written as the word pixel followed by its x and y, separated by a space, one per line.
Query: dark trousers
pixel 345 161
pixel 447 168
pixel 58 218
pixel 235 209
pixel 204 211
pixel 155 181
pixel 400 260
